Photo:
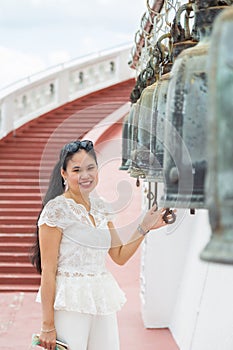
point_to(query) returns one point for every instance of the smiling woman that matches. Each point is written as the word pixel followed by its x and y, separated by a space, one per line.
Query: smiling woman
pixel 81 173
pixel 79 296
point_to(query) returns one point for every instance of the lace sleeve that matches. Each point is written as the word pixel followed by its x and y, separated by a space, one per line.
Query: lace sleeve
pixel 53 214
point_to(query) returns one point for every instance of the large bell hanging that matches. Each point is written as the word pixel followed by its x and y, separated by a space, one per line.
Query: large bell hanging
pixel 181 40
pixel 132 141
pixel 141 153
pixel 125 145
pixel 147 125
pixel 128 137
pixel 219 180
pixel 186 113
pixel 148 155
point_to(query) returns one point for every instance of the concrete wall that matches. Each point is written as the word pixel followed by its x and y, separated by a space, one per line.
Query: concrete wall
pixel 45 91
pixel 193 298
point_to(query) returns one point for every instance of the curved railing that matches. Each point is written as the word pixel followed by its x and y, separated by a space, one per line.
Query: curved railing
pixel 40 93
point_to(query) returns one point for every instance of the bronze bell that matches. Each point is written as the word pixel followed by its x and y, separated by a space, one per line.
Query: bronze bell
pixel 185 159
pixel 150 126
pixel 129 135
pixel 125 142
pixel 133 121
pixel 141 153
pixel 219 180
pixel 146 137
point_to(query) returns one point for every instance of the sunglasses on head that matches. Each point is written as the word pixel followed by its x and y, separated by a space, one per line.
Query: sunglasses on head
pixel 76 145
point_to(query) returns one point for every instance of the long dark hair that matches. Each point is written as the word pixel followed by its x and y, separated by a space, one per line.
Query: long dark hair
pixel 56 187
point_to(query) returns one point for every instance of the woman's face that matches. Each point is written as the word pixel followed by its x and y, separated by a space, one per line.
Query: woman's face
pixel 81 173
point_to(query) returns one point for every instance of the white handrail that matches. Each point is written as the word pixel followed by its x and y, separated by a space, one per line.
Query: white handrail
pixel 31 97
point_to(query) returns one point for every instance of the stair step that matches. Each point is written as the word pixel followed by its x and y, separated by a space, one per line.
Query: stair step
pixel 20 196
pixel 16 268
pixel 18 288
pixel 11 167
pixel 17 238
pixel 19 174
pixel 23 148
pixel 16 161
pixel 15 247
pixel 21 220
pixel 25 182
pixel 67 131
pixel 18 228
pixel 19 279
pixel 20 204
pixel 14 257
pixel 20 188
pixel 19 211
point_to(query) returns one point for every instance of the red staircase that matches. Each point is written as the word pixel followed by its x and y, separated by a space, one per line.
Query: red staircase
pixel 24 174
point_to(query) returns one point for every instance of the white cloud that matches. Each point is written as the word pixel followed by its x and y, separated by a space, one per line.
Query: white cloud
pixel 56 57
pixel 17 65
pixel 38 33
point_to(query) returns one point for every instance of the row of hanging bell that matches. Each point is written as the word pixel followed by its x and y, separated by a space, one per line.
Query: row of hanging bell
pixel 142 157
pixel 185 158
pixel 130 123
pixel 148 114
pixel 181 39
pixel 219 179
pixel 137 156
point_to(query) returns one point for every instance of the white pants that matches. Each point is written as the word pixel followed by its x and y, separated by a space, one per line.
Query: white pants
pixel 87 332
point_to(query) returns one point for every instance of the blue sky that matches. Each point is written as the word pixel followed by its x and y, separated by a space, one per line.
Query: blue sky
pixel 36 34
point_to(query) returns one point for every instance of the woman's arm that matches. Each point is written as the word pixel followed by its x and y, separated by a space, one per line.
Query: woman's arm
pixel 121 253
pixel 49 238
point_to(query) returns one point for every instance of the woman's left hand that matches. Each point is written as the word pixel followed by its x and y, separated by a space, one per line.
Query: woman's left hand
pixel 153 219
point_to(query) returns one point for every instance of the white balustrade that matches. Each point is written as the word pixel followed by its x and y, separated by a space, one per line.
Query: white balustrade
pixel 40 93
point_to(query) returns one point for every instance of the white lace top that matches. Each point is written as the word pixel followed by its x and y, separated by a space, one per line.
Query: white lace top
pixel 83 283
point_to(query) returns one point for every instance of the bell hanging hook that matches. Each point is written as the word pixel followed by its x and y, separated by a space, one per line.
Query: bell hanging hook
pixel 168 7
pixel 155 16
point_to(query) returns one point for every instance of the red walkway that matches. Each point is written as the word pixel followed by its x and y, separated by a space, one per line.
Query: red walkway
pixel 20 317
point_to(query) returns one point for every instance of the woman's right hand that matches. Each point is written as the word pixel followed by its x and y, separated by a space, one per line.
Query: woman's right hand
pixel 48 340
pixel 154 218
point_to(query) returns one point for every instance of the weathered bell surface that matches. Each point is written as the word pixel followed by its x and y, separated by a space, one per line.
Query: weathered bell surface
pixel 155 171
pixel 144 156
pixel 128 136
pixel 141 154
pixel 133 141
pixel 125 142
pixel 219 180
pixel 186 112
